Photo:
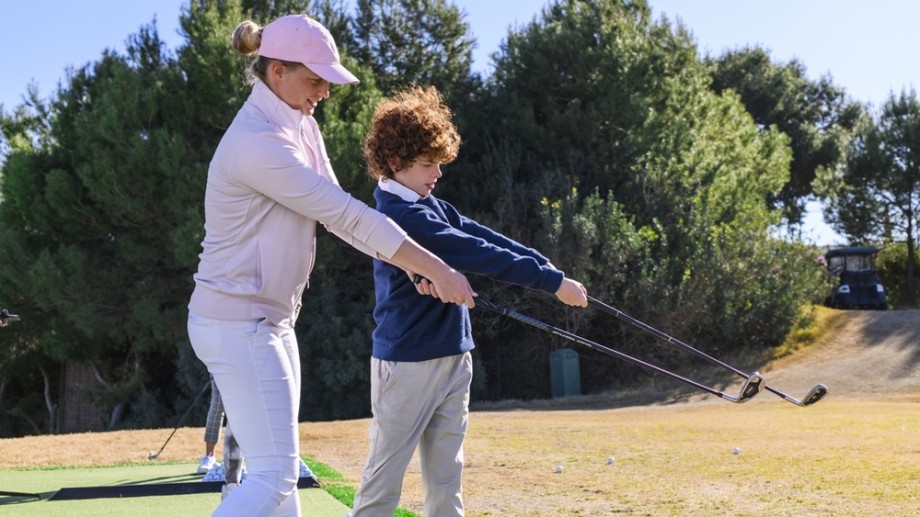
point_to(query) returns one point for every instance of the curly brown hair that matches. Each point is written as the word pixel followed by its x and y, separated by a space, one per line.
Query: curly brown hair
pixel 411 124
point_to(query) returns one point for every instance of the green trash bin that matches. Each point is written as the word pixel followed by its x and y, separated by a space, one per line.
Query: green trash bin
pixel 564 377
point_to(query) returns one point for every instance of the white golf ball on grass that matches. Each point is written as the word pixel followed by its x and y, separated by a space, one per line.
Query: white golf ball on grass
pixel 558 469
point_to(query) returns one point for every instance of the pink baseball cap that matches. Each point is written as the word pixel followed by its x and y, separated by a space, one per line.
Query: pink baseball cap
pixel 301 39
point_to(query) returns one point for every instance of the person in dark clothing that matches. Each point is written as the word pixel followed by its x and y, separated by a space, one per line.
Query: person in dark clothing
pixel 421 365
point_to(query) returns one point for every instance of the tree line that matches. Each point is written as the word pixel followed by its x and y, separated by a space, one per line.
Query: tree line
pixel 655 176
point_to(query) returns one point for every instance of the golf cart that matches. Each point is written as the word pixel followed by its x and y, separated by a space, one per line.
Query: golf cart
pixel 858 286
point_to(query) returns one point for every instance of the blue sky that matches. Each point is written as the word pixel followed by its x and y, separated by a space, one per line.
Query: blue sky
pixel 48 36
pixel 869 51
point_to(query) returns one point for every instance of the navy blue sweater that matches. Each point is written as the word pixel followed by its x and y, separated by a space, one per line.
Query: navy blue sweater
pixel 412 327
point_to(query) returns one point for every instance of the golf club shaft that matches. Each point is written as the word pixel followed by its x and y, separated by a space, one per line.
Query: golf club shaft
pixel 751 388
pixel 813 396
pixel 183 417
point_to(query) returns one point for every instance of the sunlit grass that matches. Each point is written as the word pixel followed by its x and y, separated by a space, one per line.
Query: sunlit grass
pixel 818 321
pixel 340 488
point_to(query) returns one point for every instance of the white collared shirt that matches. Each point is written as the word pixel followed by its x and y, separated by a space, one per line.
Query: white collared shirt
pixel 398 189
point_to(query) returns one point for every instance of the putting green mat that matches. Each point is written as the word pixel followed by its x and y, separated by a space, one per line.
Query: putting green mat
pixel 315 502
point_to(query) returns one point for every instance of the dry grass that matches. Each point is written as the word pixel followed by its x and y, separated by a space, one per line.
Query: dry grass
pixel 819 322
pixel 840 457
pixel 852 457
pixel 855 453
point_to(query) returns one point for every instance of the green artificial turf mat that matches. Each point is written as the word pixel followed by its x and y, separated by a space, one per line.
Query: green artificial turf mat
pixel 46 483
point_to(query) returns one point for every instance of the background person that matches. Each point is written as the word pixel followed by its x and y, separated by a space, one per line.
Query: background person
pixel 231 470
pixel 269 183
pixel 421 367
pixel 212 427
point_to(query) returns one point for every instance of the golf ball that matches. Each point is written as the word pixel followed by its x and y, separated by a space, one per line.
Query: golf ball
pixel 736 451
pixel 558 468
pixel 610 460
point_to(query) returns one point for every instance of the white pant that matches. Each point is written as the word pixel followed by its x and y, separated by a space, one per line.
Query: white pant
pixel 256 366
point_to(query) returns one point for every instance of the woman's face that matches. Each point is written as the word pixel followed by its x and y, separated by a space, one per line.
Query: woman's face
pixel 420 176
pixel 299 87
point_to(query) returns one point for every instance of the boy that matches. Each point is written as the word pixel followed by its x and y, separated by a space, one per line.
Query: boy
pixel 421 365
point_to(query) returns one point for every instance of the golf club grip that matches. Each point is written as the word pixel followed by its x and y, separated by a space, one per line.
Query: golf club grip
pixel 505 311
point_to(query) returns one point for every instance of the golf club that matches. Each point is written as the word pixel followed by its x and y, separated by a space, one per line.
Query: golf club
pixel 153 455
pixel 751 387
pixel 6 318
pixel 814 394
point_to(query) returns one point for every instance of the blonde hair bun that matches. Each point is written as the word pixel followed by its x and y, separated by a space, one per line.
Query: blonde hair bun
pixel 247 37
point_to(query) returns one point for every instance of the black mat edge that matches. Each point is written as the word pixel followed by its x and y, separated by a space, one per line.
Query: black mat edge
pixel 153 489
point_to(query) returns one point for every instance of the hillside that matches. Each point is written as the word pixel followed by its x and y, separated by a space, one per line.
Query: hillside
pixel 870 353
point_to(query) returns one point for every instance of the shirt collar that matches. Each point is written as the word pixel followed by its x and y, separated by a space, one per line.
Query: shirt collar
pixel 398 189
pixel 274 108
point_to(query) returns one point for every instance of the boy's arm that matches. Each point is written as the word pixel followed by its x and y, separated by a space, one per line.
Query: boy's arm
pixel 481 251
pixel 472 254
pixel 476 229
pixel 570 292
pixel 451 286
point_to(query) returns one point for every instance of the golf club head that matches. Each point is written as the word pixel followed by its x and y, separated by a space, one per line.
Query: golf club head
pixel 152 455
pixel 6 318
pixel 751 387
pixel 814 395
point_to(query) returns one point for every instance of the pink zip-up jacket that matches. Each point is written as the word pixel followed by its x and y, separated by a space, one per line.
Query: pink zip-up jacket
pixel 269 183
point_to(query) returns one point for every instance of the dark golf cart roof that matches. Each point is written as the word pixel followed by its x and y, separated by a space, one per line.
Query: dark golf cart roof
pixel 851 250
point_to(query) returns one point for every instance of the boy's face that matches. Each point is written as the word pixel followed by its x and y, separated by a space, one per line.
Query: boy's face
pixel 421 176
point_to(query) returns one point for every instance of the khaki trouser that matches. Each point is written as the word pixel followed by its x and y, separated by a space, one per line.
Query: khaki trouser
pixel 416 404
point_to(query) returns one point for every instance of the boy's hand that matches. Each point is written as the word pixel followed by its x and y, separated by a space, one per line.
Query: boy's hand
pixel 573 293
pixel 423 285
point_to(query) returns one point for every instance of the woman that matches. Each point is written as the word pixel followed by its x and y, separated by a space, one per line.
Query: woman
pixel 269 183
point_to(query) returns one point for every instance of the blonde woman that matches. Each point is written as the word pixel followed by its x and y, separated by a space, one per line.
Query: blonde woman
pixel 269 183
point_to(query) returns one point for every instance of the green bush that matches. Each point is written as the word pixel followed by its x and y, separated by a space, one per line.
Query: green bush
pixel 892 271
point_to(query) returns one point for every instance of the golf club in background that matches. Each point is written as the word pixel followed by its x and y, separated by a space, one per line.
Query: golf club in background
pixel 6 318
pixel 814 394
pixel 153 455
pixel 751 387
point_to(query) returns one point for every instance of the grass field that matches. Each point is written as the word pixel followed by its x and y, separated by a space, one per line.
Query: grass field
pixel 855 453
pixel 838 458
pixel 848 458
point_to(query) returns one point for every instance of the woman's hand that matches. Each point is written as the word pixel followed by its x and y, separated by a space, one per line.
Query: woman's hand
pixel 462 296
pixel 446 284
